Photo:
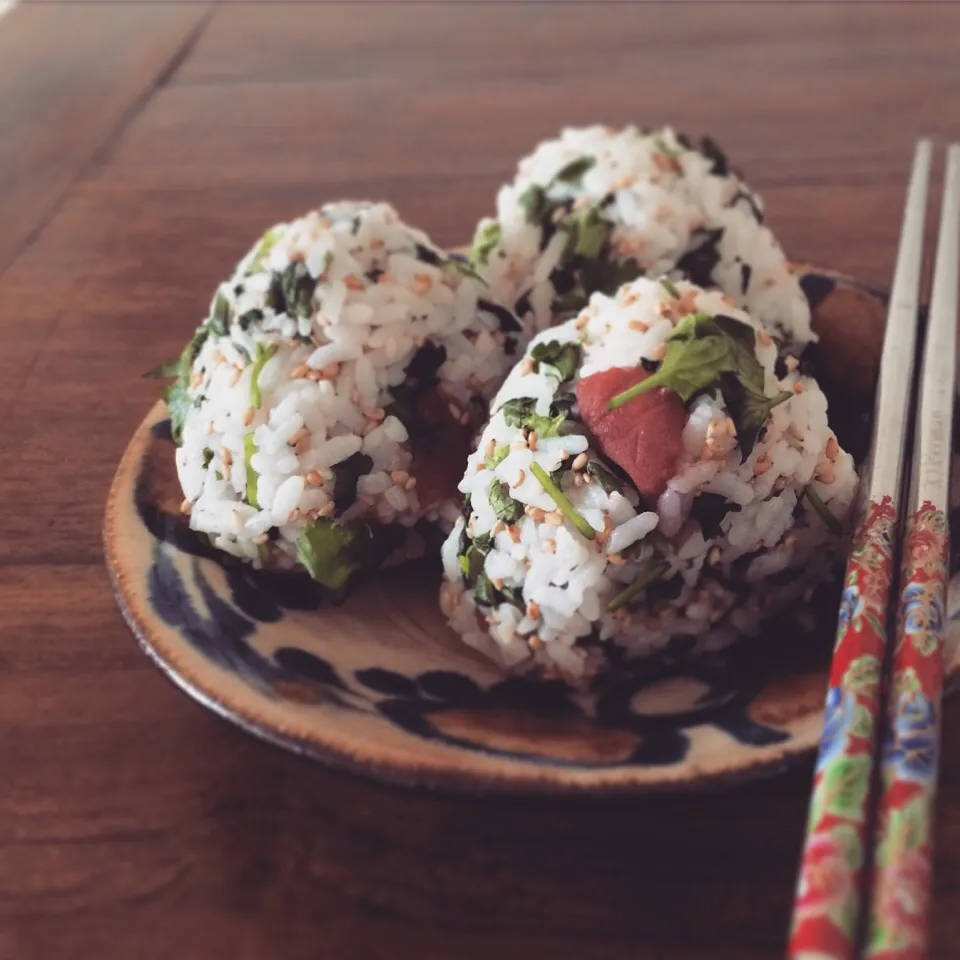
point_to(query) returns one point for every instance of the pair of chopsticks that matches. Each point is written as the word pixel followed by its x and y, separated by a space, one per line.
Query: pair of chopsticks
pixel 864 884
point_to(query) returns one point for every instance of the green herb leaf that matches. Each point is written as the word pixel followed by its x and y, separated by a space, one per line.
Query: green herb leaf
pixel 749 409
pixel 346 473
pixel 484 591
pixel 607 479
pixel 207 457
pixel 563 504
pixel 562 360
pixel 500 453
pixel 486 237
pixel 504 506
pixel 573 172
pixel 521 412
pixel 665 148
pixel 607 276
pixel 336 553
pixel 219 321
pixel 260 358
pixel 709 509
pixel 179 404
pixel 588 232
pixel 249 449
pixel 163 371
pixel 267 242
pixel 533 202
pixel 464 268
pixel 670 287
pixel 823 511
pixel 291 291
pixel 638 587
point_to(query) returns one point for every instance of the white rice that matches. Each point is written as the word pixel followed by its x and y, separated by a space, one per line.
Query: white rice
pixel 661 200
pixel 551 585
pixel 373 293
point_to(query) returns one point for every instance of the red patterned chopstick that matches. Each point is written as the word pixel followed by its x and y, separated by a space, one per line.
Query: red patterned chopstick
pixel 902 861
pixel 827 908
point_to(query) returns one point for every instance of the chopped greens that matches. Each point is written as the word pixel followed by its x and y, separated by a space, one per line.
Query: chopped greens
pixel 670 287
pixel 665 148
pixel 714 353
pixel 587 232
pixel 219 321
pixel 207 457
pixel 533 202
pixel 291 291
pixel 500 453
pixel 521 412
pixel 563 504
pixel 346 473
pixel 607 479
pixel 336 553
pixel 420 376
pixel 260 358
pixel 709 509
pixel 485 240
pixel 638 587
pixel 823 511
pixel 573 172
pixel 504 506
pixel 267 242
pixel 249 449
pixel 698 264
pixel 464 268
pixel 560 360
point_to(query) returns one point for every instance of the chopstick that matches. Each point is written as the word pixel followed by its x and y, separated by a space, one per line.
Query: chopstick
pixel 827 908
pixel 902 861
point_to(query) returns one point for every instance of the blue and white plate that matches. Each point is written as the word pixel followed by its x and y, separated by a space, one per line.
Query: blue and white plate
pixel 381 686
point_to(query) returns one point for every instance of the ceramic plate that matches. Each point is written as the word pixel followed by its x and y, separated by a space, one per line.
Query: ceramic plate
pixel 380 685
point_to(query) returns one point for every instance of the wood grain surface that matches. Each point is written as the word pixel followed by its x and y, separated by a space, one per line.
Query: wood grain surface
pixel 142 146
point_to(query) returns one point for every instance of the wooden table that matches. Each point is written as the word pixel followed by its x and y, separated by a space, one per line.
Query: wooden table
pixel 141 149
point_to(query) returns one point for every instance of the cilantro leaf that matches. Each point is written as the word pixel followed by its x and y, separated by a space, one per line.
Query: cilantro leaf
pixel 336 553
pixel 486 237
pixel 562 360
pixel 504 506
pixel 500 453
pixel 262 355
pixel 521 412
pixel 749 409
pixel 267 242
pixel 563 504
pixel 249 449
pixel 607 479
pixel 638 587
pixel 823 511
pixel 573 172
pixel 533 202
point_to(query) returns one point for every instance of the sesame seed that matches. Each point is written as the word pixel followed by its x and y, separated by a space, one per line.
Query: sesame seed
pixel 550 546
pixel 353 282
pixel 763 338
pixel 331 370
pixel 399 477
pixel 616 559
pixel 489 449
pixel 798 387
pixel 297 436
pixel 299 372
pixel 260 538
pixel 514 533
pixel 186 506
pixel 537 515
pixel 226 457
pixel 521 476
pixel 533 610
pixel 532 441
pixel 421 284
pixel 526 367
pixel 294 515
pixel 410 484
pixel 313 479
pixel 833 448
pixel 554 517
pixel 326 509
pixel 580 461
pixel 248 416
pixel 315 376
pixel 535 643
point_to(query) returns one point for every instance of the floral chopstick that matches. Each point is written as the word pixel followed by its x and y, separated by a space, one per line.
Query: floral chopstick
pixel 903 852
pixel 828 903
